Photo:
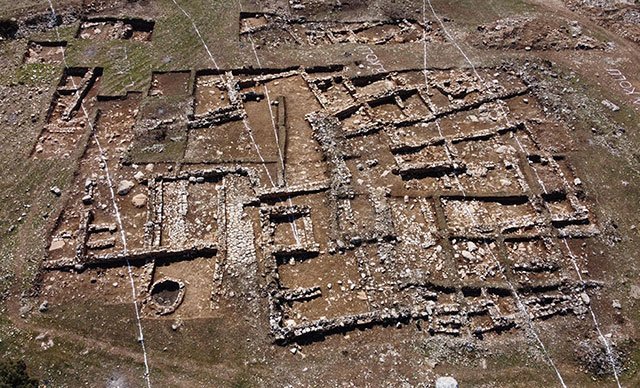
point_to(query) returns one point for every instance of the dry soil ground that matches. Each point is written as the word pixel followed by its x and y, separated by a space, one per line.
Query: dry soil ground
pixel 453 188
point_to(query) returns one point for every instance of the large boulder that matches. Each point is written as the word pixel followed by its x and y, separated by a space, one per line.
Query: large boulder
pixel 125 187
pixel 446 382
pixel 139 200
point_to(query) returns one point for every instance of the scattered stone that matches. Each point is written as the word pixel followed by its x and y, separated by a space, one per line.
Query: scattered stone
pixel 635 292
pixel 139 176
pixel 44 306
pixel 56 245
pixel 24 310
pixel 594 357
pixel 47 344
pixel 467 255
pixel 125 187
pixel 585 298
pixel 446 382
pixel 56 191
pixel 610 105
pixel 471 246
pixel 139 200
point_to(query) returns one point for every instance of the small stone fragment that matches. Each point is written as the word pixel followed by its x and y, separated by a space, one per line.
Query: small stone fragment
pixel 585 298
pixel 610 105
pixel 139 176
pixel 467 255
pixel 56 245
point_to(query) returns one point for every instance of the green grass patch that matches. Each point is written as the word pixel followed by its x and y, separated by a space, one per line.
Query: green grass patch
pixel 64 33
pixel 37 74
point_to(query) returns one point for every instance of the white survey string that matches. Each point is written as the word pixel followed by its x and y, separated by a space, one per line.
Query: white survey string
pixel 521 306
pixel 116 209
pixel 608 348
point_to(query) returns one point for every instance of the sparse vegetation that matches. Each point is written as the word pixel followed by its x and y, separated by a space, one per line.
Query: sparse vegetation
pixel 13 374
pixel 409 222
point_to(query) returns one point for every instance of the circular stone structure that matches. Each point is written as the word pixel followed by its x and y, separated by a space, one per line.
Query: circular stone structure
pixel 166 295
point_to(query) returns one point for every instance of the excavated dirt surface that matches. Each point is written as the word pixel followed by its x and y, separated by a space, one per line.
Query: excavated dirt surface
pixel 310 193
